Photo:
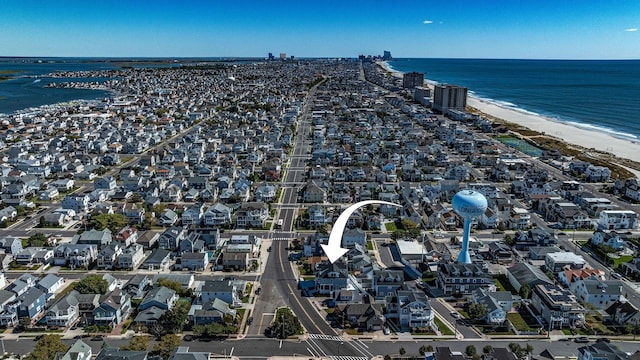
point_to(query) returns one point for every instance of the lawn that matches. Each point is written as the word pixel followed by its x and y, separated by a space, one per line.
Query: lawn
pixel 369 245
pixel 617 261
pixel 444 329
pixel 390 226
pixel 503 282
pixel 518 322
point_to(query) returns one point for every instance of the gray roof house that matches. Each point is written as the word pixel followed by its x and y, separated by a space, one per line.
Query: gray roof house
pixel 160 297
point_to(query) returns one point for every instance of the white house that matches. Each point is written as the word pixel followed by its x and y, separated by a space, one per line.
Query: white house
pixel 609 238
pixel 598 293
pixel 617 220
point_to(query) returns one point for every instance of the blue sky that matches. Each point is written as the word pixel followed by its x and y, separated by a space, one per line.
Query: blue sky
pixel 591 29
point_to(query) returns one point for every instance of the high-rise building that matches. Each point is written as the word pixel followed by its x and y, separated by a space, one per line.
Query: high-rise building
pixel 447 97
pixel 412 79
pixel 422 95
pixel 387 55
pixel 283 56
pixel 271 56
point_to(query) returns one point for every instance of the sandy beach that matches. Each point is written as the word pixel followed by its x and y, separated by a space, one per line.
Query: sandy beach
pixel 566 132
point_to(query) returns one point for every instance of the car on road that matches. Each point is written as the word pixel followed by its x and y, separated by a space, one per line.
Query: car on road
pixel 386 331
pixel 250 320
pixel 269 249
pixel 455 314
pixel 258 291
pixel 581 339
pixel 616 275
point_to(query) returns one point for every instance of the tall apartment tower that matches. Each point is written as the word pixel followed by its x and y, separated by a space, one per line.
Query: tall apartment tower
pixel 387 55
pixel 412 79
pixel 283 56
pixel 447 97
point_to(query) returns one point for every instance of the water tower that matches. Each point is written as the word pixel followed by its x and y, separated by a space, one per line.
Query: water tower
pixel 468 204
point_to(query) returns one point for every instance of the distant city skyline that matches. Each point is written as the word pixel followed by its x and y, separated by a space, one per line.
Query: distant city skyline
pixel 446 29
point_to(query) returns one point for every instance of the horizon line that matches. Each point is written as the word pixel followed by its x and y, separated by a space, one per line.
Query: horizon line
pixel 276 58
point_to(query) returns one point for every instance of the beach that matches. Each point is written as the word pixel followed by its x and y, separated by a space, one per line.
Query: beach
pixel 569 133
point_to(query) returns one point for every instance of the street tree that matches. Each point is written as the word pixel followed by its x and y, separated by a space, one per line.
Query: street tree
pixel 166 346
pixel 47 348
pixel 477 311
pixel 92 284
pixel 137 343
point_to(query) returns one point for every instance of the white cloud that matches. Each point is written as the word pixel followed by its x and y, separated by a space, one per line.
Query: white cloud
pixel 427 22
pixel 631 30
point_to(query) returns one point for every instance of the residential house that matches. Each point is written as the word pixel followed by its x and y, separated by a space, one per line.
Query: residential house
pixel 558 307
pixel 108 353
pixel 365 317
pixel 9 213
pixel 525 273
pixel 64 312
pixel 137 286
pixel 599 293
pixel 75 255
pixel 107 256
pixel 77 203
pixel 193 261
pixel 11 245
pixel 331 278
pixel 113 309
pixel 604 350
pixel 455 278
pixel 93 237
pixel 496 315
pixel 225 290
pixel 168 218
pixel 133 213
pixel 158 260
pixel 411 308
pixel 148 239
pixel 617 220
pixel 559 261
pixel 622 312
pixel 351 237
pixel 314 193
pixel 252 215
pixel 131 257
pixel 387 282
pixel 50 284
pixel 105 183
pixel 317 216
pixel 159 297
pixel 608 238
pixel 126 236
pixel 217 215
pixel 8 311
pixel 171 238
pixel 215 311
pixel 78 351
pixel 31 303
pixel 193 215
pixel 534 237
pixel 568 277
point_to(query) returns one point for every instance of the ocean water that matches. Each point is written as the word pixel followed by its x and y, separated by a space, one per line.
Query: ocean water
pixel 602 95
pixel 26 86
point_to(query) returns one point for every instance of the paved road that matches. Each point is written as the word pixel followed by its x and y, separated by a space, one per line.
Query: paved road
pixel 262 348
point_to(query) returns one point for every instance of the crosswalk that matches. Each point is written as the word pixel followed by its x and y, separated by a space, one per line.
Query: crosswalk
pixel 348 358
pixel 281 239
pixel 326 337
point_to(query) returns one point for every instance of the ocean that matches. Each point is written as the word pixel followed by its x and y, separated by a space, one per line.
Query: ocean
pixel 603 95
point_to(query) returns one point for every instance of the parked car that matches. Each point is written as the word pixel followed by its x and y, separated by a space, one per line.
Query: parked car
pixel 250 320
pixel 258 291
pixel 386 331
pixel 581 339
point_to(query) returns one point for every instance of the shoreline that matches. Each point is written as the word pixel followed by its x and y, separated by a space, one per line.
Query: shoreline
pixel 569 133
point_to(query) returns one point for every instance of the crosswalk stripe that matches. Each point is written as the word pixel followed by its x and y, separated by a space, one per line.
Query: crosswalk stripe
pixel 348 358
pixel 326 337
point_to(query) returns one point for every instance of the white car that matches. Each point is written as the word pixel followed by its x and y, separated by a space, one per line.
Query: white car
pixel 386 330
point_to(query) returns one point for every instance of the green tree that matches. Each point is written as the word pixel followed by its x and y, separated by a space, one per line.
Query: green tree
pixel 175 286
pixel 402 351
pixel 174 320
pixel 137 343
pixel 166 346
pixel 477 311
pixel 37 240
pixel 47 347
pixel 525 291
pixel 287 321
pixel 113 222
pixel 92 284
pixel 470 350
pixel 487 349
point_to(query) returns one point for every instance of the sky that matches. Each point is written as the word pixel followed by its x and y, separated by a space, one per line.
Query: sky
pixel 534 29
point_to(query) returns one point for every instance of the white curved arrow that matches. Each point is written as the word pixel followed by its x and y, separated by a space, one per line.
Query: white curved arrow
pixel 333 249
